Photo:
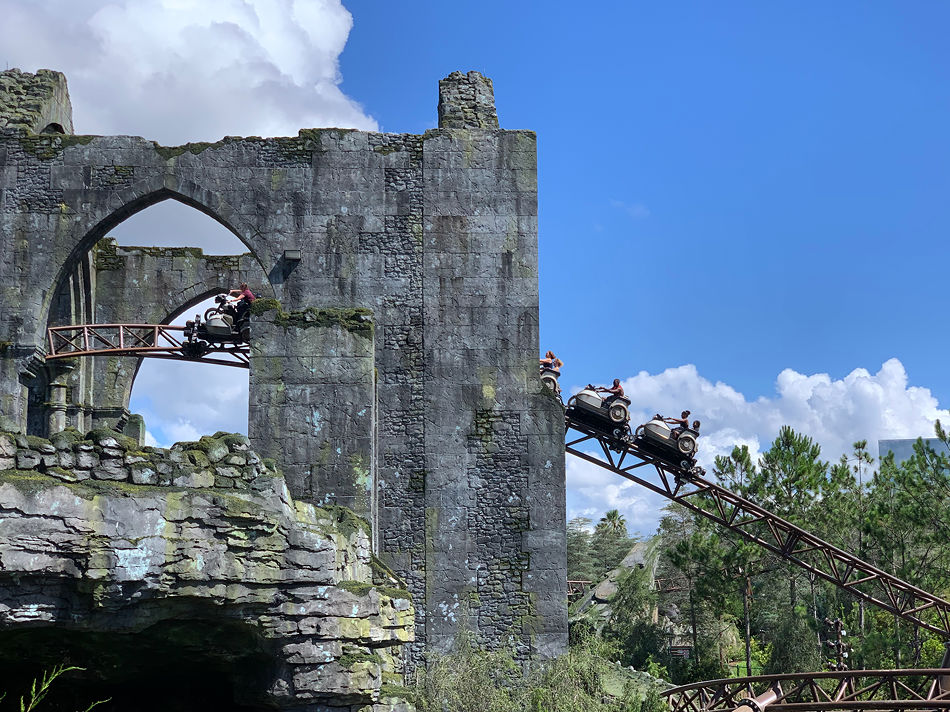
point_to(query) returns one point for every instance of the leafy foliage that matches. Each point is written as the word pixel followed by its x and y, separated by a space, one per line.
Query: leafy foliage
pixel 895 516
pixel 584 680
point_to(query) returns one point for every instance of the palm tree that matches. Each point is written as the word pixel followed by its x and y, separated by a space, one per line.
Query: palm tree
pixel 614 522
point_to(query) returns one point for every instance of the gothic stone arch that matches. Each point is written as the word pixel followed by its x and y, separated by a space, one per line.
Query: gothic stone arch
pixel 416 288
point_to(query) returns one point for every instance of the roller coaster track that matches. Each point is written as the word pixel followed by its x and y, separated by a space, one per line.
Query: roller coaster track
pixel 869 690
pixel 756 524
pixel 143 340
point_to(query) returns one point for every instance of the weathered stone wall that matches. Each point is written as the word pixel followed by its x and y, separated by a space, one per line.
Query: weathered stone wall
pixel 38 103
pixel 467 101
pixel 127 285
pixel 114 548
pixel 314 406
pixel 435 236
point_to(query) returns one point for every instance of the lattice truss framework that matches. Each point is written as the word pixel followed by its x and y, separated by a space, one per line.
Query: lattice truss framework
pixel 867 690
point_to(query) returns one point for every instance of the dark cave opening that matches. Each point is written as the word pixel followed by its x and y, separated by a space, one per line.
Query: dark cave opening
pixel 173 666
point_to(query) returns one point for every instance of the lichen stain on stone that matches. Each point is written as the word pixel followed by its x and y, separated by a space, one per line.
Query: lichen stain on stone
pixel 133 563
pixel 488 377
pixel 314 421
pixel 361 472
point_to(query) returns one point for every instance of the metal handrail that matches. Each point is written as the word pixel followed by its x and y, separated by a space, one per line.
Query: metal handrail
pixel 143 340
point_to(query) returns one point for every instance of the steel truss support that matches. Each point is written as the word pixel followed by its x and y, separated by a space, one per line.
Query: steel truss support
pixel 867 690
pixel 755 524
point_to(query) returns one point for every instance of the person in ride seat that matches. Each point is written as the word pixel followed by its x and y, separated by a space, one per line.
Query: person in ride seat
pixel 681 423
pixel 243 298
pixel 615 391
pixel 696 426
pixel 552 362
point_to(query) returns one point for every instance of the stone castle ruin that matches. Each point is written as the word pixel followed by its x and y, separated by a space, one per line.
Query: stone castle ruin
pixel 393 374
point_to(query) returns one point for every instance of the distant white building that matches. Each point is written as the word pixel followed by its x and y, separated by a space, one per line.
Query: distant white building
pixel 903 448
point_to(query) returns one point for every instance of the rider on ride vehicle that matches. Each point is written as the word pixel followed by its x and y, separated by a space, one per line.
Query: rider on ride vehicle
pixel 615 391
pixel 681 423
pixel 243 297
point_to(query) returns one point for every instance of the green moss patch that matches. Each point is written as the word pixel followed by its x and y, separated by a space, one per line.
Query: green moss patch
pixel 397 691
pixel 382 574
pixel 356 320
pixel 394 592
pixel 169 152
pixel 346 520
pixel 348 660
pixel 125 442
pixel 47 147
pixel 355 587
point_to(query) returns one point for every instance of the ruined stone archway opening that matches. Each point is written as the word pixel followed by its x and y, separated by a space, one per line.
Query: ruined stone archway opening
pixel 200 664
pixel 156 259
pixel 53 128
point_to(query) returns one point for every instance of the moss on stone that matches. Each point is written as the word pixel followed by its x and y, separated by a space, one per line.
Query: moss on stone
pixel 395 592
pixel 47 147
pixel 388 690
pixel 345 520
pixel 66 439
pixel 382 574
pixel 5 346
pixel 264 304
pixel 549 393
pixel 125 442
pixel 36 442
pixel 33 481
pixel 355 587
pixel 356 319
pixel 316 134
pixel 348 660
pixel 198 458
pixel 169 152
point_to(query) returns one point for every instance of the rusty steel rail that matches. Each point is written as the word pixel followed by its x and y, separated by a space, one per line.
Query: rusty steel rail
pixel 143 340
pixel 755 524
pixel 867 690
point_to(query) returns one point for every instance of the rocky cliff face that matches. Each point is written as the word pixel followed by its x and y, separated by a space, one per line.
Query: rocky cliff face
pixel 190 573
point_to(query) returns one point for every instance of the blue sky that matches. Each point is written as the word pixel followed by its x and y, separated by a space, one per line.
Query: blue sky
pixel 760 185
pixel 742 204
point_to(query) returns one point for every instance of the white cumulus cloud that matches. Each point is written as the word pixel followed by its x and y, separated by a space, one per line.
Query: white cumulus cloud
pixel 834 412
pixel 183 70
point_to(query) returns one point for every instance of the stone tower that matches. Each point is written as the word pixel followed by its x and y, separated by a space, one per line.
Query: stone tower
pixel 394 364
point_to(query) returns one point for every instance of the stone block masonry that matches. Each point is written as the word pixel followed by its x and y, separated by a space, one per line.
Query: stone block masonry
pixel 38 103
pixel 117 548
pixel 428 419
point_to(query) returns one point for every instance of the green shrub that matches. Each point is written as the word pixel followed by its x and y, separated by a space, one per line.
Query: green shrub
pixel 583 680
